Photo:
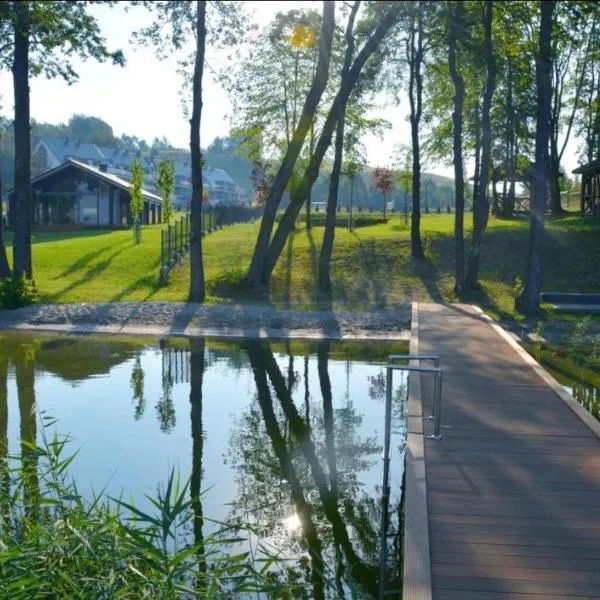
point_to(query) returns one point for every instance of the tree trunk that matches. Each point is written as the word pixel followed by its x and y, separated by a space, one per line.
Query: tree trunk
pixel 477 171
pixel 255 272
pixel 351 218
pixel 415 97
pixel 334 181
pixel 329 234
pixel 196 261
pixel 555 204
pixel 529 300
pixel 456 25
pixel 22 193
pixel 312 171
pixel 311 147
pixel 481 208
pixel 4 266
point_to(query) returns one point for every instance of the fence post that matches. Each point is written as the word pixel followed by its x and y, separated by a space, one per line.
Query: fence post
pixel 169 247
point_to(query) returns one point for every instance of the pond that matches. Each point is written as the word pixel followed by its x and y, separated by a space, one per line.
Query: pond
pixel 261 430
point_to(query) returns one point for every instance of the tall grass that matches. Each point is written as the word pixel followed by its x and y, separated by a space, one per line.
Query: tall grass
pixel 54 543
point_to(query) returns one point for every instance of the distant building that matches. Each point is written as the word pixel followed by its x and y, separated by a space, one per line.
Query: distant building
pixel 49 153
pixel 76 195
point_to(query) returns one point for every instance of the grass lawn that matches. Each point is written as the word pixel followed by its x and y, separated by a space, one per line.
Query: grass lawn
pixel 371 267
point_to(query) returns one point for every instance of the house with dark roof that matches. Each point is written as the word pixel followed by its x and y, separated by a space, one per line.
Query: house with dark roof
pixel 49 153
pixel 77 195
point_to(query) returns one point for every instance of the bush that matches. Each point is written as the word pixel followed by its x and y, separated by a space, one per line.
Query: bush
pixel 17 291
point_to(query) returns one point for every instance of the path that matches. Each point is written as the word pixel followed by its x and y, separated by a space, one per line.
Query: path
pixel 513 489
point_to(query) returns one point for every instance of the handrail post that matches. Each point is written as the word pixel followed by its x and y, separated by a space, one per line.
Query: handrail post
pixel 385 497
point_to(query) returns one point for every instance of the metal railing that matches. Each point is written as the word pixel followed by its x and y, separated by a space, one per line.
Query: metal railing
pixel 175 238
pixel 436 416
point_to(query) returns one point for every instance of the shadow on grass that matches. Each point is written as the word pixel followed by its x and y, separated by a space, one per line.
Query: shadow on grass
pixel 147 281
pixel 91 274
pixel 86 259
pixel 376 267
pixel 40 237
pixel 287 294
pixel 313 257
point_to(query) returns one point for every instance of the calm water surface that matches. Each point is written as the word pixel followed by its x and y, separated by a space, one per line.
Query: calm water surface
pixel 261 429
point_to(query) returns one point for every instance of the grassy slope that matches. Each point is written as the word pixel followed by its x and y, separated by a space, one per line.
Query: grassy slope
pixel 370 268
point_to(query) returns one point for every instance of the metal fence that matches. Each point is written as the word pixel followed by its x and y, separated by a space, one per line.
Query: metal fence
pixel 175 238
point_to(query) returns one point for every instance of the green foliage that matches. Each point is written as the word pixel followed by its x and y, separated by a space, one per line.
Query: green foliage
pixel 518 286
pixel 137 199
pixel 59 30
pixel 56 544
pixel 17 291
pixel 581 347
pixel 165 184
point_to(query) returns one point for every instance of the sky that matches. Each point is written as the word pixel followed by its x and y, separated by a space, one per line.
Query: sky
pixel 143 99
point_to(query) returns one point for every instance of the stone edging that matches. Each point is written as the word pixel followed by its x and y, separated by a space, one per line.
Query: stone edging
pixel 190 331
pixel 416 580
pixel 558 389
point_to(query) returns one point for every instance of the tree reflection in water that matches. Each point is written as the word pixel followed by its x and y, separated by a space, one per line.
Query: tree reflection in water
pixel 330 517
pixel 137 387
pixel 4 474
pixel 196 381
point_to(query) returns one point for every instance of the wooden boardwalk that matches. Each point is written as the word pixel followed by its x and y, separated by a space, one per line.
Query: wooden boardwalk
pixel 513 489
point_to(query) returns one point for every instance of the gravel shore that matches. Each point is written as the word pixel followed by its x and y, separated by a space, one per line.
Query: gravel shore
pixel 235 320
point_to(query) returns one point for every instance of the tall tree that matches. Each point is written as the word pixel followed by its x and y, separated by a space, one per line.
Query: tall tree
pixel 42 38
pixel 383 17
pixel 455 32
pixel 334 181
pixel 196 262
pixel 529 300
pixel 137 199
pixel 313 97
pixel 416 47
pixel 165 183
pixel 575 31
pixel 481 205
pixel 174 25
pixel 383 180
pixel 23 193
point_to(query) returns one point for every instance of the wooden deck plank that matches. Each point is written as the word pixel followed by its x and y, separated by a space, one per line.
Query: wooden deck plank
pixel 520 573
pixel 516 586
pixel 513 488
pixel 532 562
pixel 473 595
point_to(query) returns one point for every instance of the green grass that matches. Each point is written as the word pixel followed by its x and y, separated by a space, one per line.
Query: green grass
pixel 370 267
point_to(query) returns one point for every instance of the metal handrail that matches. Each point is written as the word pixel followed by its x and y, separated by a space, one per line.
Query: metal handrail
pixel 434 357
pixel 437 409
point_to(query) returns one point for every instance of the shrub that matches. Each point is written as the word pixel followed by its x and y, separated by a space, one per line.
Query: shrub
pixel 56 544
pixel 17 291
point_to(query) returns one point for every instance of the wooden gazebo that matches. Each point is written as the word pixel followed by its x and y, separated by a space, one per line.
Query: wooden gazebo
pixel 590 188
